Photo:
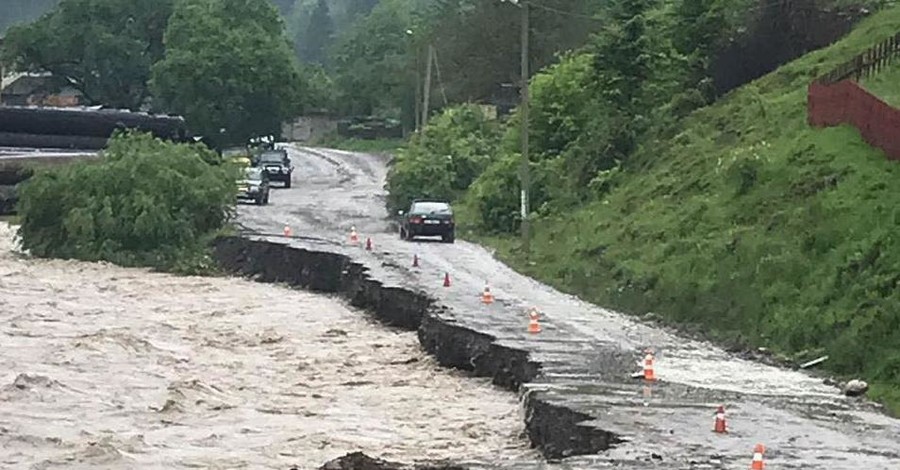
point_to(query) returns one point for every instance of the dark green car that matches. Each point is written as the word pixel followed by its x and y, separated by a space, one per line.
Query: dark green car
pixel 428 219
pixel 254 186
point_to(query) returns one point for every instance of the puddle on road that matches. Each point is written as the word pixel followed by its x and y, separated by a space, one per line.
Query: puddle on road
pixel 105 367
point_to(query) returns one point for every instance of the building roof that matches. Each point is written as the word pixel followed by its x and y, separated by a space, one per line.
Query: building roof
pixel 9 80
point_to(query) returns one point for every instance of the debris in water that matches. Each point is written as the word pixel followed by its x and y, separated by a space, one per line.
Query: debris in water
pixel 855 388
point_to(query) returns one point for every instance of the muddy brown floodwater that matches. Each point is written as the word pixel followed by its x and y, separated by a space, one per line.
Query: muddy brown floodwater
pixel 105 367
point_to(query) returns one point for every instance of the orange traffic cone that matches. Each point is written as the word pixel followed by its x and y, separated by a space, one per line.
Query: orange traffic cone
pixel 757 463
pixel 354 237
pixel 533 325
pixel 719 426
pixel 648 366
pixel 368 244
pixel 287 231
pixel 487 297
pixel 446 279
pixel 415 260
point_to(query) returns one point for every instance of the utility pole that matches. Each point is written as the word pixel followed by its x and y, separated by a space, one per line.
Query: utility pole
pixel 427 90
pixel 412 48
pixel 416 113
pixel 523 111
pixel 2 69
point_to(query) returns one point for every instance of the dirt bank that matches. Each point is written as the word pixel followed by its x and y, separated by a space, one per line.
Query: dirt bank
pixel 105 367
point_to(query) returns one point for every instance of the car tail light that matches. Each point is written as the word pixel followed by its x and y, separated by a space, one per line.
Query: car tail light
pixel 415 220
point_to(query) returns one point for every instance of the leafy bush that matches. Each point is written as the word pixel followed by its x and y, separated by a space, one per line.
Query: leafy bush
pixel 144 203
pixel 445 159
pixel 560 104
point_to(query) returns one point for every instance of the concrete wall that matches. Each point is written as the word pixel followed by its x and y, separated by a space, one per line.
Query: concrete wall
pixel 845 102
pixel 307 128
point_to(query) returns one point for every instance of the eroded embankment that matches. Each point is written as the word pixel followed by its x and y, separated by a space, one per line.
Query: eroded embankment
pixel 552 428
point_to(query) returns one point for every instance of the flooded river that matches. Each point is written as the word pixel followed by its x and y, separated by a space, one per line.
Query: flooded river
pixel 105 367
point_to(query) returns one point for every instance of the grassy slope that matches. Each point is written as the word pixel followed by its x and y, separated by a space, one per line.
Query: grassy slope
pixel 886 84
pixel 752 226
pixel 362 145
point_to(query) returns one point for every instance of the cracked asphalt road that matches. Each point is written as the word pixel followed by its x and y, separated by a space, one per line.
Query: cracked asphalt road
pixel 586 350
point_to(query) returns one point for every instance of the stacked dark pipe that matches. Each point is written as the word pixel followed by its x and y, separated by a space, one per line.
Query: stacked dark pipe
pixel 79 128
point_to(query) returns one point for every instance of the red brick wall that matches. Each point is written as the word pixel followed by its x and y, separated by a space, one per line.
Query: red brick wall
pixel 845 102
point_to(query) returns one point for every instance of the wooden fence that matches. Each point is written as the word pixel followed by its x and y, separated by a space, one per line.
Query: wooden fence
pixel 871 61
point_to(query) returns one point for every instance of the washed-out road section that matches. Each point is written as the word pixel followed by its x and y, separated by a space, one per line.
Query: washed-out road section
pixel 103 367
pixel 583 359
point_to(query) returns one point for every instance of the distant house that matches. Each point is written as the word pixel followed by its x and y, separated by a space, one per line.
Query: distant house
pixel 37 89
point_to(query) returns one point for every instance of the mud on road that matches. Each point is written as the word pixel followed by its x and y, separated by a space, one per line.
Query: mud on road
pixel 587 352
pixel 106 367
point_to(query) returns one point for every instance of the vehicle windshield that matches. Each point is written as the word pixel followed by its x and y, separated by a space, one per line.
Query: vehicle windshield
pixel 254 174
pixel 431 208
pixel 272 157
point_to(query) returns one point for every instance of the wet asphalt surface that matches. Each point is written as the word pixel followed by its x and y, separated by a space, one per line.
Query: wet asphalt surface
pixel 588 353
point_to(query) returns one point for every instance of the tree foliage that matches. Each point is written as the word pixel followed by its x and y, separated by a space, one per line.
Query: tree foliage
pixel 317 36
pixel 371 61
pixel 228 69
pixel 442 162
pixel 103 48
pixel 484 36
pixel 145 203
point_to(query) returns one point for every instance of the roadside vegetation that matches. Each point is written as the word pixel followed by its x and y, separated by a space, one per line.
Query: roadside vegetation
pixel 725 215
pixel 144 202
pixel 390 146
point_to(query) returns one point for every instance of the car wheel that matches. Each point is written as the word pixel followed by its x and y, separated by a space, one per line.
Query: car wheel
pixel 287 182
pixel 402 234
pixel 266 199
pixel 449 237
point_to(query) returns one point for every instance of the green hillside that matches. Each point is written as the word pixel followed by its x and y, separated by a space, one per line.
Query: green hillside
pixel 752 226
pixel 886 84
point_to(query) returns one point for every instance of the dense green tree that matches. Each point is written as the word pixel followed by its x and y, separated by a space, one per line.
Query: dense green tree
pixel 317 35
pixel 698 30
pixel 228 69
pixel 103 48
pixel 443 162
pixel 478 42
pixel 622 66
pixel 372 59
pixel 144 202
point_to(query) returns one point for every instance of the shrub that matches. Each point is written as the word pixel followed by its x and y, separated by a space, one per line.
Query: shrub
pixel 445 159
pixel 145 202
